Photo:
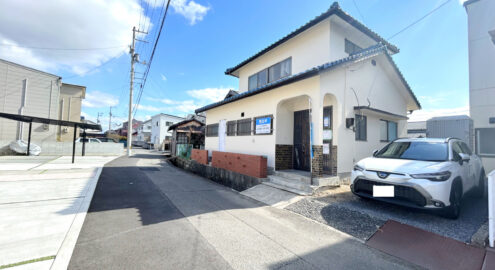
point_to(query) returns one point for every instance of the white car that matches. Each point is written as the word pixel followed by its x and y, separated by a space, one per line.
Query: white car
pixel 421 173
pixel 89 140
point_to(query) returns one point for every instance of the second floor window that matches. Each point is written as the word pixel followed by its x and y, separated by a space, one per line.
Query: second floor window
pixel 351 48
pixel 271 74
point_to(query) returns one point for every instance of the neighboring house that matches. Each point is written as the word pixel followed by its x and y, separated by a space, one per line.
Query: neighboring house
pixel 70 101
pixel 186 135
pixel 91 133
pixel 416 129
pixel 123 130
pixel 143 133
pixel 31 92
pixel 159 129
pixel 333 75
pixel 481 38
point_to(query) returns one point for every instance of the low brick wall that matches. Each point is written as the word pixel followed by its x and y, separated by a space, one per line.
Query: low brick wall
pixel 251 165
pixel 225 177
pixel 200 156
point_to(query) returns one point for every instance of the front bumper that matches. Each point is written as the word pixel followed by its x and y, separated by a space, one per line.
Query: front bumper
pixel 410 192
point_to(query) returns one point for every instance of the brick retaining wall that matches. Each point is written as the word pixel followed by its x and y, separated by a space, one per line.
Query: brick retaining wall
pixel 251 165
pixel 201 156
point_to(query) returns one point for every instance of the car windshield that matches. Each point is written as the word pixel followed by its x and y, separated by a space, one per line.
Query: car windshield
pixel 427 151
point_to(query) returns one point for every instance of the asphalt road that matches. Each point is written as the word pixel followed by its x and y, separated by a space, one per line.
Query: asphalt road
pixel 147 214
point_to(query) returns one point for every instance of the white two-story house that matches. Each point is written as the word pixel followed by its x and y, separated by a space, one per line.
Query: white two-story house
pixel 159 129
pixel 318 99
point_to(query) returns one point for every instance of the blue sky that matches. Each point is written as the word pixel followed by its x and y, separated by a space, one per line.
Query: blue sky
pixel 201 39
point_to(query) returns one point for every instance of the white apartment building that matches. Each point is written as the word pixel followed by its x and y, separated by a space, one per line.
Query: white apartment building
pixel 143 132
pixel 481 38
pixel 159 129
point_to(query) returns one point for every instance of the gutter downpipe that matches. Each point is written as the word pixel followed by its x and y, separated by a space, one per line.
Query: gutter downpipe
pixel 491 209
pixel 310 141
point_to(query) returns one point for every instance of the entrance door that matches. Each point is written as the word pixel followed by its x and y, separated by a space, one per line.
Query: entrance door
pixel 301 153
pixel 327 140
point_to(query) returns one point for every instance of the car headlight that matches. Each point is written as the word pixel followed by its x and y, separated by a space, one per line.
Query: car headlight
pixel 440 176
pixel 358 168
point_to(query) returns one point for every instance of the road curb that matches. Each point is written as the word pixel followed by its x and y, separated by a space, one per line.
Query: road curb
pixel 64 254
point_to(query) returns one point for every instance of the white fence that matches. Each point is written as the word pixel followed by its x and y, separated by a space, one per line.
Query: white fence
pixel 491 208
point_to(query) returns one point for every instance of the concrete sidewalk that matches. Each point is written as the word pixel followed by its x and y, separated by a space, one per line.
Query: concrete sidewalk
pixel 160 217
pixel 43 202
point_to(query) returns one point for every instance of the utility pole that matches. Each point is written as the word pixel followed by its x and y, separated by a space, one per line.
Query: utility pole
pixel 134 59
pixel 110 119
pixel 98 118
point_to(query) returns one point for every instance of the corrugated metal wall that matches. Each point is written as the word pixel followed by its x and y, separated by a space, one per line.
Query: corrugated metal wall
pixel 42 94
pixel 459 128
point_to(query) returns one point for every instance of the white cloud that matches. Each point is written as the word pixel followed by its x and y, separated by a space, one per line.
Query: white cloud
pixel 163 77
pixel 200 97
pixel 191 10
pixel 209 94
pixel 67 24
pixel 97 99
pixel 116 121
pixel 423 115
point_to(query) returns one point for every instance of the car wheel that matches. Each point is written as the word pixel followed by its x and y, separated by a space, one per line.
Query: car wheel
pixel 454 210
pixel 480 189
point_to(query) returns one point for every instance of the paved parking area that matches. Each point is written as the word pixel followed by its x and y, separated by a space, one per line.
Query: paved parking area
pixel 43 202
pixel 344 211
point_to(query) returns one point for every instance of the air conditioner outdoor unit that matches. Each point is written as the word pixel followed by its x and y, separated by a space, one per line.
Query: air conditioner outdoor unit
pixel 46 127
pixel 65 129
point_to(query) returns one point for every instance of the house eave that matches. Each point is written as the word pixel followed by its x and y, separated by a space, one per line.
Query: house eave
pixel 333 10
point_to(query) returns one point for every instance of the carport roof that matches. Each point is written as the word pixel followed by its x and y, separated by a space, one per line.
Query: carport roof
pixel 34 119
pixel 368 52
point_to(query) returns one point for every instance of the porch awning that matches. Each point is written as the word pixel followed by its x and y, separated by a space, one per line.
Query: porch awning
pixel 379 113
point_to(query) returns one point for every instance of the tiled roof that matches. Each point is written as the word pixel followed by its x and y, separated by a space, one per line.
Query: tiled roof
pixel 371 51
pixel 469 2
pixel 333 10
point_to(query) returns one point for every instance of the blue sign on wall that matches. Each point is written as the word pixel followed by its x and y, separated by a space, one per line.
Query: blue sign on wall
pixel 263 125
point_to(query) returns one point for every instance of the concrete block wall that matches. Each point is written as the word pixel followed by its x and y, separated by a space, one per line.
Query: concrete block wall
pixel 255 166
pixel 65 148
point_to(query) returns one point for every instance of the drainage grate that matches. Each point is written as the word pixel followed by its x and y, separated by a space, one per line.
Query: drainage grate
pixel 154 169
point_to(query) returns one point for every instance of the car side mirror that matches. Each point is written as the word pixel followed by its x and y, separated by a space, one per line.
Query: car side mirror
pixel 464 157
pixel 375 152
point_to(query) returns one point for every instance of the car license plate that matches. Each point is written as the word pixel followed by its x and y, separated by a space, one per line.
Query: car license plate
pixel 383 191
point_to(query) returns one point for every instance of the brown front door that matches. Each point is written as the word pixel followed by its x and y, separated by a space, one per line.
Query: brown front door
pixel 327 140
pixel 301 140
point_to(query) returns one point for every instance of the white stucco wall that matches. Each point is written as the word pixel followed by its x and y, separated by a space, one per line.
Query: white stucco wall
pixel 259 105
pixel 375 83
pixel 308 49
pixel 370 82
pixel 481 67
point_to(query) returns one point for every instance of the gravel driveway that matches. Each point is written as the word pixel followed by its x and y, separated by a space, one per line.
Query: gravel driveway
pixel 346 212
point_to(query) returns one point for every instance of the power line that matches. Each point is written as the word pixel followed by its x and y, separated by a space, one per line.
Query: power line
pixel 62 49
pixel 151 58
pixel 358 10
pixel 418 20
